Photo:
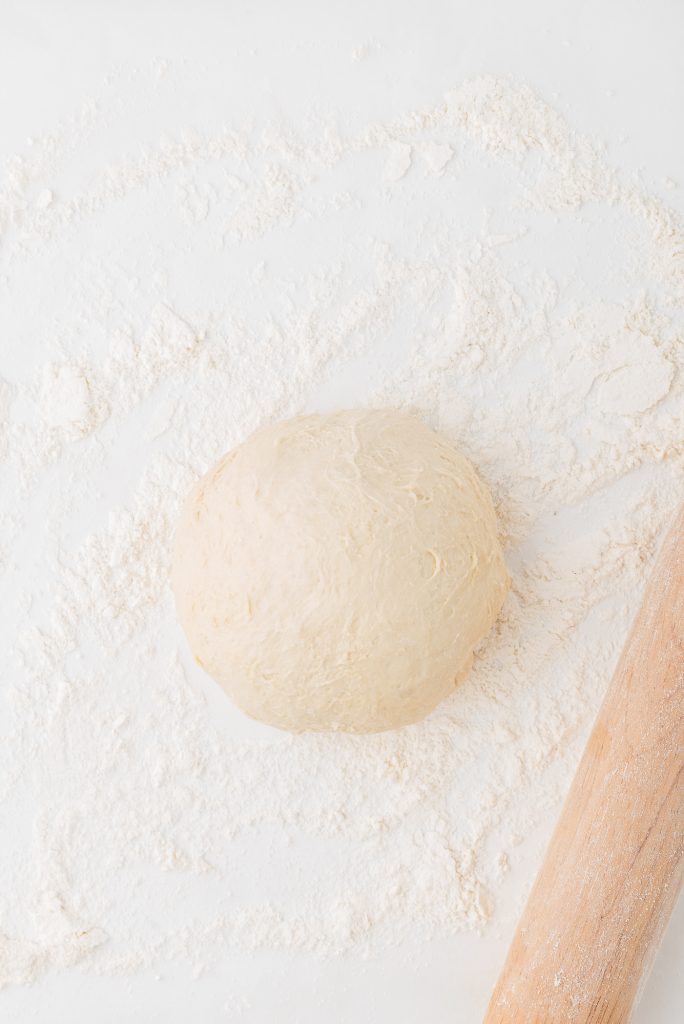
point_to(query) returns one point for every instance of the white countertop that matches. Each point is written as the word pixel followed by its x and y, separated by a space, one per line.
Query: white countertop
pixel 613 68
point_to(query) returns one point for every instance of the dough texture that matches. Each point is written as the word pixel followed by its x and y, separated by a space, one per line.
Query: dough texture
pixel 336 571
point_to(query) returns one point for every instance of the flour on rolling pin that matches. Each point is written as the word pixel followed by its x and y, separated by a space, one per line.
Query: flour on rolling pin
pixel 534 370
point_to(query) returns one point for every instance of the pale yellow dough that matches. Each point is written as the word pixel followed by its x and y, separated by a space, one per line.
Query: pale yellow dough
pixel 336 572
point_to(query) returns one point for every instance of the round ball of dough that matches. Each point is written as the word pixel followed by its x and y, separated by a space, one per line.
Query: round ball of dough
pixel 336 572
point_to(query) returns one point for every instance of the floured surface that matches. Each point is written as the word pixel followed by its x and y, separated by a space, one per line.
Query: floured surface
pixel 475 260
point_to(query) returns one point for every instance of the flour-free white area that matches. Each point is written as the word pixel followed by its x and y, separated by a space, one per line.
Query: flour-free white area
pixel 214 217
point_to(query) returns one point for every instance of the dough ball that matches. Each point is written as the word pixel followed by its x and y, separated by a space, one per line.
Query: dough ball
pixel 336 572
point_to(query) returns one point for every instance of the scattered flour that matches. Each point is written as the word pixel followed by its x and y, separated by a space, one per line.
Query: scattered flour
pixel 398 162
pixel 436 156
pixel 137 794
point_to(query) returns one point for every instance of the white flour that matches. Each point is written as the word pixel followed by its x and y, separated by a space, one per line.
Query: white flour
pixel 136 793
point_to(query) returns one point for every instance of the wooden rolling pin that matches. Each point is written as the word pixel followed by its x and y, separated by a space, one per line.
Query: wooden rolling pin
pixel 613 868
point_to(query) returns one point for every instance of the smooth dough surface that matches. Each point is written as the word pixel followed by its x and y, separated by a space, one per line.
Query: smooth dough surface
pixel 336 571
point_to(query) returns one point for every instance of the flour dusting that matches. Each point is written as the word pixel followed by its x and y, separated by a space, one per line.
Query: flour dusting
pixel 139 792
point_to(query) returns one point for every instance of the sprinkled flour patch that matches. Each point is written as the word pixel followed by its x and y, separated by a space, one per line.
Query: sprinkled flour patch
pixel 398 162
pixel 637 378
pixel 65 399
pixel 436 157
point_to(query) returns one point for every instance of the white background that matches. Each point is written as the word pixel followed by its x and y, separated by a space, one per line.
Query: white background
pixel 614 68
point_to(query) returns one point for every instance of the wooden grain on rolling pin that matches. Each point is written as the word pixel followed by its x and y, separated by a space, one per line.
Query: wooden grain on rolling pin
pixel 614 865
